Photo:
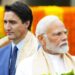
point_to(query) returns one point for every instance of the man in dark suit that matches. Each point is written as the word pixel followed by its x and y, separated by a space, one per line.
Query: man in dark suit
pixel 17 20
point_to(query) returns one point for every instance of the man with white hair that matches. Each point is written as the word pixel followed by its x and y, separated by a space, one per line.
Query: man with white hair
pixel 53 57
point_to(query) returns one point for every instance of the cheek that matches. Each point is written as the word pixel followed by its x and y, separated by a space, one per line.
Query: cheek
pixel 21 30
pixel 17 31
pixel 55 40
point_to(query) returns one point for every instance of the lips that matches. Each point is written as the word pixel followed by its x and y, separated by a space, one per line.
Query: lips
pixel 63 44
pixel 9 33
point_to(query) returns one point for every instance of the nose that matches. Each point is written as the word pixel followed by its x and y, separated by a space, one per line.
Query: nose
pixel 64 37
pixel 7 26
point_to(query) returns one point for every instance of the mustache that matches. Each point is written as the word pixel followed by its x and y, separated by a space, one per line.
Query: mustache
pixel 63 44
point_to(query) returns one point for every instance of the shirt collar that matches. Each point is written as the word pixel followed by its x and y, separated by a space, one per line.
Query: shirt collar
pixel 19 45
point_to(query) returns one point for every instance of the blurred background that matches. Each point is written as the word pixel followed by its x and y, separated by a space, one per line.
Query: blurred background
pixel 42 2
pixel 64 9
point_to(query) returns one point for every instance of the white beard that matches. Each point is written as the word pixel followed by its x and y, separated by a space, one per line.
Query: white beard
pixel 62 48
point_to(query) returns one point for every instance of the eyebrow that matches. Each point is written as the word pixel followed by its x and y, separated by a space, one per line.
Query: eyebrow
pixel 56 32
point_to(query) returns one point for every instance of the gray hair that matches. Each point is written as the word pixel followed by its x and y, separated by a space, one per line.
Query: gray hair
pixel 44 23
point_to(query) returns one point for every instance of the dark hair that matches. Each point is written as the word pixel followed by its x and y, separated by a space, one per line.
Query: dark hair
pixel 22 11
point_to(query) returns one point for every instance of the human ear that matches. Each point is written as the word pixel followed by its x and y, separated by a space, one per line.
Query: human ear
pixel 27 23
pixel 42 40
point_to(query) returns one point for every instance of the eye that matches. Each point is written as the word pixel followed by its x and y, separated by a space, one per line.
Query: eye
pixel 5 21
pixel 66 32
pixel 57 34
pixel 13 22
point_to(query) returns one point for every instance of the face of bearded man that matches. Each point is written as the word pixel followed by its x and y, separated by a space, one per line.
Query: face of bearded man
pixel 61 48
pixel 56 38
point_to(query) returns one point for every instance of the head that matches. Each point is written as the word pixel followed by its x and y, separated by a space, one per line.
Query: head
pixel 52 35
pixel 17 20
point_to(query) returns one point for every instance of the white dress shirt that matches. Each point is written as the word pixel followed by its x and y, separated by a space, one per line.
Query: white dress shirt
pixel 19 45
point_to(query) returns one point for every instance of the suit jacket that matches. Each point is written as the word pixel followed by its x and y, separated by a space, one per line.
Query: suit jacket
pixel 4 41
pixel 30 46
pixel 4 59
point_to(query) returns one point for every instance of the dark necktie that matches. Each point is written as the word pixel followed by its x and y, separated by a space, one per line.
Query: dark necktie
pixel 13 61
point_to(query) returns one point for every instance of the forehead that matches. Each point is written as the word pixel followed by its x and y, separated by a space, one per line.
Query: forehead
pixel 10 15
pixel 56 26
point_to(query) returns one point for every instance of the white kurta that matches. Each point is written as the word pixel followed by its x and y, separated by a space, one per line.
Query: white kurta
pixel 43 64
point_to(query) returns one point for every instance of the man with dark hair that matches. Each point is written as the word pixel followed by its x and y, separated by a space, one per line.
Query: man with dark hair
pixel 22 11
pixel 17 20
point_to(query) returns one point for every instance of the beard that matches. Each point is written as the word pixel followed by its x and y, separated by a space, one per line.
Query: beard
pixel 61 48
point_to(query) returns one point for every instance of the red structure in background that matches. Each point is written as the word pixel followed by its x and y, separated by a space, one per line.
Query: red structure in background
pixel 67 14
pixel 69 20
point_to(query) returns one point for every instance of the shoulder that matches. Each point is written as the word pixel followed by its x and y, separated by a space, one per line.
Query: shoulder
pixel 5 49
pixel 4 41
pixel 73 57
pixel 6 46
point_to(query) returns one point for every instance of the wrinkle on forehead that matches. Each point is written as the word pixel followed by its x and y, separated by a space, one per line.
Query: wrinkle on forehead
pixel 56 25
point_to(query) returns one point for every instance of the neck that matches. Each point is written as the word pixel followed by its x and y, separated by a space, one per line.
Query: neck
pixel 16 41
pixel 53 53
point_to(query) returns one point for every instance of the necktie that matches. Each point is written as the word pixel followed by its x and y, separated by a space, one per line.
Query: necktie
pixel 13 61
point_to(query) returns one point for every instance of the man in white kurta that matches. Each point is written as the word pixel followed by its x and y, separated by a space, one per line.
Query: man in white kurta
pixel 52 57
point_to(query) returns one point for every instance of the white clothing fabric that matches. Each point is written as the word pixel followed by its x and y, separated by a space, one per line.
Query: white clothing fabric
pixel 28 48
pixel 57 64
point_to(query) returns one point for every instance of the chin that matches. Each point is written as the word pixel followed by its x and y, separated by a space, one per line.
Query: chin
pixel 54 49
pixel 11 37
pixel 63 49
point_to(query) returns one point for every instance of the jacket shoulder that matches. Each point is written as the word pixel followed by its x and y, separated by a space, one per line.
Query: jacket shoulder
pixel 4 41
